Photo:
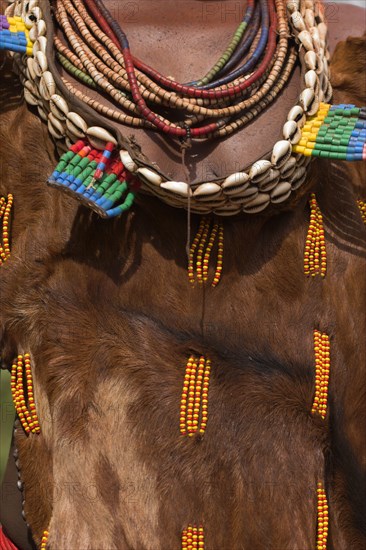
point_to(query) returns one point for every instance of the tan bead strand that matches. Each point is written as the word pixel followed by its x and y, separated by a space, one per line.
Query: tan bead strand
pixel 322 371
pixel 315 255
pixel 323 518
pixel 202 252
pixel 193 538
pixel 194 401
pixel 5 212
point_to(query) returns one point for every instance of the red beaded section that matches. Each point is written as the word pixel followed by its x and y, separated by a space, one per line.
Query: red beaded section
pixel 44 540
pixel 322 370
pixel 323 518
pixel 5 211
pixel 193 537
pixel 362 206
pixel 194 401
pixel 315 256
pixel 24 401
pixel 201 249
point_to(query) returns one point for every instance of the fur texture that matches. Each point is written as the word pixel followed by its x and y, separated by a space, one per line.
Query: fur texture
pixel 106 310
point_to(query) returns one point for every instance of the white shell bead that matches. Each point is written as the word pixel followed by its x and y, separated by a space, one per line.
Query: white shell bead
pixel 40 64
pixel 297 21
pixel 177 187
pixel 291 131
pixel 288 168
pixel 314 33
pixel 47 86
pixel 30 67
pixel 309 18
pixel 236 179
pixel 41 27
pixel 77 121
pixel 59 106
pixel 127 161
pixel 293 5
pixel 42 113
pixel 258 204
pixel 281 193
pixel 259 169
pixel 270 181
pixel 228 211
pixel 307 98
pixel 33 33
pixel 311 79
pixel 310 60
pixel 281 153
pixel 30 98
pixel 101 136
pixel 306 40
pixel 297 114
pixel 207 190
pixel 149 175
pixel 323 32
pixel 55 127
pixel 42 44
pixel 29 85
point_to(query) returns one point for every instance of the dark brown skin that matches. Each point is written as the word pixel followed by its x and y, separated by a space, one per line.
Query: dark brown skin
pixel 106 310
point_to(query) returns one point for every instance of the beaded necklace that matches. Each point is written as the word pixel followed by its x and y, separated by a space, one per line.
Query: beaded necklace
pixel 247 78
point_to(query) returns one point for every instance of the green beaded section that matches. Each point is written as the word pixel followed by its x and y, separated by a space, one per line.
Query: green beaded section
pixel 235 41
pixel 74 71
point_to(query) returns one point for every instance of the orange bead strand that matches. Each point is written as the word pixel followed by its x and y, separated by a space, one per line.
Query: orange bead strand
pixel 322 371
pixel 194 401
pixel 315 254
pixel 193 538
pixel 5 211
pixel 27 414
pixel 44 540
pixel 323 518
pixel 201 251
pixel 362 206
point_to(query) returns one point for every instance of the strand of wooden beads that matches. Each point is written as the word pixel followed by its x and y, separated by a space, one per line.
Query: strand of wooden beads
pixel 201 246
pixel 323 518
pixel 315 255
pixel 193 538
pixel 194 400
pixel 206 382
pixel 207 255
pixel 322 370
pixel 362 206
pixel 184 398
pixel 192 250
pixel 44 540
pixel 5 211
pixel 220 256
pixel 201 253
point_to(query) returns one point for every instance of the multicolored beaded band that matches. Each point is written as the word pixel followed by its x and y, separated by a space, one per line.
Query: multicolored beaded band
pixel 96 178
pixel 315 255
pixel 194 401
pixel 335 132
pixel 362 207
pixel 193 537
pixel 14 35
pixel 322 370
pixel 5 211
pixel 20 372
pixel 323 518
pixel 201 251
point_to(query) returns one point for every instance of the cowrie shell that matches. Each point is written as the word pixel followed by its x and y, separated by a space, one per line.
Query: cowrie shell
pixel 41 27
pixel 207 191
pixel 297 115
pixel 76 125
pixel 246 196
pixel 306 40
pixel 259 170
pixel 235 183
pixel 47 86
pixel 309 18
pixel 30 98
pixel 281 193
pixel 270 181
pixel 127 161
pixel 178 187
pixel 55 127
pixel 292 132
pixel 149 175
pixel 59 107
pixel 288 168
pixel 99 137
pixel 258 204
pixel 310 60
pixel 281 153
pixel 40 63
pixel 30 68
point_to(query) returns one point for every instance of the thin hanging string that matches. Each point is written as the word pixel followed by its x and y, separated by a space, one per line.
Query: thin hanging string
pixel 187 144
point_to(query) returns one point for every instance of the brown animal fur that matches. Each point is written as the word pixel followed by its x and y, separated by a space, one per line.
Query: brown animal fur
pixel 108 314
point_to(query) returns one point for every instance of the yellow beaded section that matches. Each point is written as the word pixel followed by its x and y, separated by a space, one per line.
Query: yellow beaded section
pixel 21 372
pixel 16 24
pixel 193 537
pixel 201 250
pixel 323 518
pixel 194 401
pixel 309 131
pixel 315 255
pixel 362 206
pixel 5 212
pixel 44 540
pixel 322 371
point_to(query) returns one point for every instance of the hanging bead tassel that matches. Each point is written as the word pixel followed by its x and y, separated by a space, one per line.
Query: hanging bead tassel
pixel 201 251
pixel 193 537
pixel 27 414
pixel 362 206
pixel 315 255
pixel 335 132
pixel 5 211
pixel 97 179
pixel 322 370
pixel 194 401
pixel 323 518
pixel 44 540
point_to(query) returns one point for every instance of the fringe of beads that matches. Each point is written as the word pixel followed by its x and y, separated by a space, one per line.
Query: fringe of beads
pixel 27 414
pixel 5 210
pixel 362 206
pixel 322 369
pixel 194 401
pixel 315 256
pixel 193 537
pixel 323 518
pixel 96 178
pixel 201 252
pixel 44 540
